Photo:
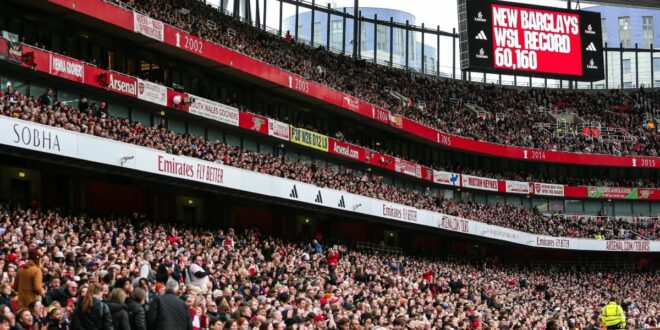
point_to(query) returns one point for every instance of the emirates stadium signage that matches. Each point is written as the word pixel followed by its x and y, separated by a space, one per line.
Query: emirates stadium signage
pixel 25 135
pixel 122 84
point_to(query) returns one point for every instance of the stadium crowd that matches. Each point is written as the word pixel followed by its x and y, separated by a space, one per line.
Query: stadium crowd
pixel 93 119
pixel 231 280
pixel 512 115
pixel 527 176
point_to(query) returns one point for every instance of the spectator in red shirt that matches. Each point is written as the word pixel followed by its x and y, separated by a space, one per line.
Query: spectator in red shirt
pixel 333 259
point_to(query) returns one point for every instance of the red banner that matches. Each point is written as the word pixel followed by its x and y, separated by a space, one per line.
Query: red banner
pixel 122 84
pixel 427 173
pixel 253 122
pixel 380 160
pixel 408 167
pixel 346 150
pixel 67 68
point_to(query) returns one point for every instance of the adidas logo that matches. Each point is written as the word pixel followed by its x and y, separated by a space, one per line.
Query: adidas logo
pixel 294 192
pixel 481 36
pixel 341 202
pixel 318 198
pixel 592 47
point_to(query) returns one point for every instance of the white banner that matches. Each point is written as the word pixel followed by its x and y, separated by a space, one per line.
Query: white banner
pixel 476 182
pixel 31 136
pixel 517 187
pixel 23 134
pixel 408 167
pixel 148 26
pixel 151 92
pixel 213 110
pixel 548 189
pixel 278 129
pixel 446 178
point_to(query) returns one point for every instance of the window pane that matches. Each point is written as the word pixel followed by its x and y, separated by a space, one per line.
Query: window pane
pixel 233 140
pixel 382 38
pixel 196 130
pixel 647 31
pixel 176 126
pixel 336 34
pixel 574 206
pixel 622 208
pixel 215 135
pixel 141 117
pixel 624 31
pixel 318 33
pixel 626 66
pixel 117 111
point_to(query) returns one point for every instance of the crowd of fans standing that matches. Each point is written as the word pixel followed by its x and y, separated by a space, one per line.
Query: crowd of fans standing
pixel 85 272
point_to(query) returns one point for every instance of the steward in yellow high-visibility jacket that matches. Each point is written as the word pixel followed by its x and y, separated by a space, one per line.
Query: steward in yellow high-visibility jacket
pixel 613 316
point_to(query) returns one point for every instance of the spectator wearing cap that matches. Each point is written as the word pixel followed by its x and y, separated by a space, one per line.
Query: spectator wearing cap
pixel 55 319
pixel 28 283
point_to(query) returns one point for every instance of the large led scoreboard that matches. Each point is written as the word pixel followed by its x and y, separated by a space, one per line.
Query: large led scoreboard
pixel 515 39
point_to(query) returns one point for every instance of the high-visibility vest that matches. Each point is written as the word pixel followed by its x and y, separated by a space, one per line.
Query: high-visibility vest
pixel 613 315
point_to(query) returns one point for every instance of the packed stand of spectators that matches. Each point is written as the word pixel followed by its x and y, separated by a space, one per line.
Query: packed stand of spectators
pixel 93 119
pixel 128 273
pixel 439 103
pixel 600 181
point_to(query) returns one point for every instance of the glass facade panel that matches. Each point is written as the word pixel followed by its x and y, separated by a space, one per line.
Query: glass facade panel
pixel 624 31
pixel 647 31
